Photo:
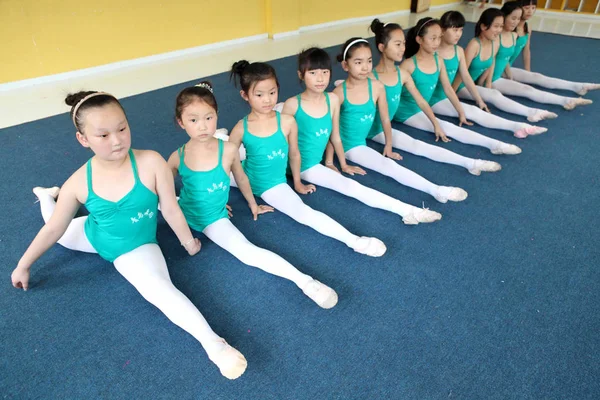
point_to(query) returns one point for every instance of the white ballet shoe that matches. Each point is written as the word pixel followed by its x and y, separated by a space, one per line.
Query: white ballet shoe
pixel 577 102
pixel 369 246
pixel 421 215
pixel 484 166
pixel 40 191
pixel 230 362
pixel 586 87
pixel 449 193
pixel 278 107
pixel 508 149
pixel 222 134
pixel 323 295
pixel 541 115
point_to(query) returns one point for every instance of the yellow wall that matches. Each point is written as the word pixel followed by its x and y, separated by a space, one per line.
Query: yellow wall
pixel 315 12
pixel 442 2
pixel 44 37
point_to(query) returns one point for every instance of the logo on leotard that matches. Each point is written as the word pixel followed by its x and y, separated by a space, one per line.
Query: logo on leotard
pixel 322 132
pixel 367 118
pixel 276 154
pixel 216 188
pixel 148 214
pixel 396 98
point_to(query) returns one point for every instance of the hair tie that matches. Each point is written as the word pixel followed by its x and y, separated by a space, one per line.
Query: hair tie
pixel 352 43
pixel 86 98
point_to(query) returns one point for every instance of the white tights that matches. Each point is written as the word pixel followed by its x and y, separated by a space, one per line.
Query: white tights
pixel 420 121
pixel 494 97
pixel 477 115
pixel 404 142
pixel 514 88
pixel 535 78
pixel 228 237
pixel 145 268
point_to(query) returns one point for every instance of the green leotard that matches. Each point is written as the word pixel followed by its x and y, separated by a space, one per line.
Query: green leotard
pixel 478 66
pixel 266 158
pixel 502 58
pixel 521 43
pixel 204 194
pixel 356 120
pixel 425 84
pixel 313 135
pixel 451 69
pixel 115 228
pixel 392 95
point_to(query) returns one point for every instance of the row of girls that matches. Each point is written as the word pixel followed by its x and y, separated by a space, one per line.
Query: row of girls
pixel 122 188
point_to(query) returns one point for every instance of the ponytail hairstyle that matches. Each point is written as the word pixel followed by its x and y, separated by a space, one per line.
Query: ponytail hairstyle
pixel 412 46
pixel 349 47
pixel 85 100
pixel 249 74
pixel 452 19
pixel 487 19
pixel 383 32
pixel 201 92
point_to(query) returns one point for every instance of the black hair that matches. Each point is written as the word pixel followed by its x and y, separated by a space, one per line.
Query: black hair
pixel 487 19
pixel 350 50
pixel 203 92
pixel 511 6
pixel 420 29
pixel 452 19
pixel 96 101
pixel 383 31
pixel 313 58
pixel 249 74
pixel 525 3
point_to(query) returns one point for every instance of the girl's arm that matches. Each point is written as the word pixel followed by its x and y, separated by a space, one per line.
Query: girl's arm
pixel 335 139
pixel 173 163
pixel 242 181
pixel 294 155
pixel 507 71
pixel 409 85
pixel 527 53
pixel 165 189
pixel 463 70
pixel 469 54
pixel 380 99
pixel 66 208
pixel 451 94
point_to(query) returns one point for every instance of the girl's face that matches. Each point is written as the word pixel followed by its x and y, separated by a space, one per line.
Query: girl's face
pixel 394 49
pixel 528 11
pixel 492 32
pixel 316 80
pixel 452 35
pixel 106 132
pixel 512 20
pixel 432 39
pixel 360 63
pixel 262 96
pixel 199 120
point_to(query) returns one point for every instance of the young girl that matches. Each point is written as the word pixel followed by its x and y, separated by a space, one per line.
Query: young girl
pixel 506 44
pixel 361 98
pixel 204 164
pixel 427 71
pixel 452 23
pixel 523 45
pixel 268 136
pixel 317 115
pixel 479 57
pixel 121 189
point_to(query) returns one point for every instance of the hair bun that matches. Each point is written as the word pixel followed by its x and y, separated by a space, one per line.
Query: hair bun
pixel 239 66
pixel 73 98
pixel 377 26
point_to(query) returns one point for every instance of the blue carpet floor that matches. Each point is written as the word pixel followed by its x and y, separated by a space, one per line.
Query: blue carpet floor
pixel 499 300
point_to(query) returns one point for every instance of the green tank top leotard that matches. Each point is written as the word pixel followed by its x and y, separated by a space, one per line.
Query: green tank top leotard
pixel 392 95
pixel 451 70
pixel 425 84
pixel 479 66
pixel 313 135
pixel 356 120
pixel 519 46
pixel 115 228
pixel 266 158
pixel 204 194
pixel 502 58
